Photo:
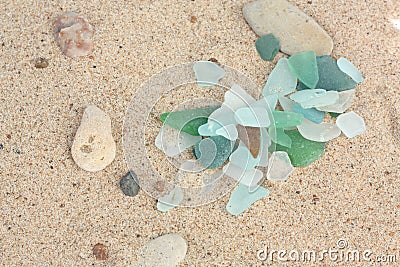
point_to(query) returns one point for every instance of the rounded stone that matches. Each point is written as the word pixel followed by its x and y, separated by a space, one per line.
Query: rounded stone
pixel 129 184
pixel 164 251
pixel 94 148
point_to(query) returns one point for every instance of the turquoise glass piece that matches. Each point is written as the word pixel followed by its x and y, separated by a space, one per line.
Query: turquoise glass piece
pixel 229 132
pixel 188 121
pixel 212 152
pixel 209 129
pixel 267 46
pixel 306 95
pixel 304 66
pixel 330 76
pixel 351 70
pixel 287 104
pixel 208 73
pixel 329 98
pixel 242 158
pixel 281 81
pixel 171 200
pixel 283 119
pixel 243 197
pixel 249 178
pixel 278 136
pixel 253 117
pixel 311 114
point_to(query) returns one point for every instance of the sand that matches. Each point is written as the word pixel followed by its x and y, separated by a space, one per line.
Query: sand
pixel 53 212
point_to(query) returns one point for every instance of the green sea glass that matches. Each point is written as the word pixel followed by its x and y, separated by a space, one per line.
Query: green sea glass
pixel 267 46
pixel 212 152
pixel 283 119
pixel 243 197
pixel 303 152
pixel 330 76
pixel 281 81
pixel 304 66
pixel 311 114
pixel 188 121
pixel 279 136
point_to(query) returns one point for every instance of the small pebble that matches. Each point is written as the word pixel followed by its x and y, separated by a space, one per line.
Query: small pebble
pixel 164 251
pixel 193 19
pixel 41 63
pixel 1 147
pixel 129 184
pixel 100 252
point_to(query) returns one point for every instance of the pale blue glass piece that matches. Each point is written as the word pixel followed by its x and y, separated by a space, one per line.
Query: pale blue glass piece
pixel 279 167
pixel 351 124
pixel 330 98
pixel 281 81
pixel 311 114
pixel 322 132
pixel 229 132
pixel 269 102
pixel 306 95
pixel 171 200
pixel 351 70
pixel 287 104
pixel 209 129
pixel 249 178
pixel 243 197
pixel 265 142
pixel 253 117
pixel 236 98
pixel 242 158
pixel 221 117
pixel 208 73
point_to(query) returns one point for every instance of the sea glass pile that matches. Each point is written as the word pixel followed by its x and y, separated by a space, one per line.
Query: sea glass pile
pixel 245 135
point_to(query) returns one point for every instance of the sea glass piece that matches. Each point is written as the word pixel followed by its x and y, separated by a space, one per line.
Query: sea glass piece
pixel 229 132
pixel 344 102
pixel 243 197
pixel 173 142
pixel 307 95
pixel 304 66
pixel 351 70
pixel 351 124
pixel 279 136
pixel 329 98
pixel 212 152
pixel 249 178
pixel 171 200
pixel 221 117
pixel 330 76
pixel 267 46
pixel 188 121
pixel 268 102
pixel 251 138
pixel 311 114
pixel 283 119
pixel 281 81
pixel 303 152
pixel 253 117
pixel 207 73
pixel 279 167
pixel 264 145
pixel 334 115
pixel 287 104
pixel 318 132
pixel 209 129
pixel 242 158
pixel 236 98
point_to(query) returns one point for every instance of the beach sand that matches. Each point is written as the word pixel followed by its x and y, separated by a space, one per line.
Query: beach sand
pixel 53 212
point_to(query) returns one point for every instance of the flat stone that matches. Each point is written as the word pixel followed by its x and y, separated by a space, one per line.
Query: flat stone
pixel 343 103
pixel 304 67
pixel 242 158
pixel 129 184
pixel 303 152
pixel 94 147
pixel 189 120
pixel 351 70
pixel 296 31
pixel 208 73
pixel 253 117
pixel 74 34
pixel 212 152
pixel 279 167
pixel 243 197
pixel 267 46
pixel 351 124
pixel 330 76
pixel 173 142
pixel 281 81
pixel 322 132
pixel 278 136
pixel 283 119
pixel 170 200
pixel 310 114
pixel 248 178
pixel 164 251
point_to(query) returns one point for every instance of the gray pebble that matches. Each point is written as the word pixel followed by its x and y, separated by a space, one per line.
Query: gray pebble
pixel 129 184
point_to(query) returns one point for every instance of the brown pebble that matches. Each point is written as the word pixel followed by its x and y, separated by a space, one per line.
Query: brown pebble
pixel 159 186
pixel 8 136
pixel 41 63
pixel 213 60
pixel 100 252
pixel 193 19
